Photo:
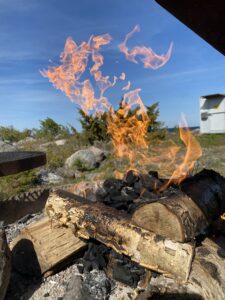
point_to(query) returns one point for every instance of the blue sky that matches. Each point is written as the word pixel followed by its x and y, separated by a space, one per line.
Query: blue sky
pixel 34 31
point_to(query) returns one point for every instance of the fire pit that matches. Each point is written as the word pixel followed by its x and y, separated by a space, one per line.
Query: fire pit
pixel 157 242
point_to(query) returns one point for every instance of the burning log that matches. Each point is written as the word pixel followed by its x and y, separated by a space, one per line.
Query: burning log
pixel 176 217
pixel 116 230
pixel 184 215
pixel 207 190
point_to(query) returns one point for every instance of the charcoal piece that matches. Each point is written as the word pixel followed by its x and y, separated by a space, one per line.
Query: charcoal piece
pixel 114 193
pixel 112 184
pixel 150 183
pixel 138 187
pixel 96 286
pixel 148 196
pixel 129 191
pixel 130 178
pixel 95 257
pixel 154 174
pixel 124 270
pixel 122 205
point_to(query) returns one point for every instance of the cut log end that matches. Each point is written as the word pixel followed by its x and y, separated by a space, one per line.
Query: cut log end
pixel 176 217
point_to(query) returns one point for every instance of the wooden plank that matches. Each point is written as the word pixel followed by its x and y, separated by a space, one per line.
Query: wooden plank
pixel 52 244
pixel 15 162
pixel 117 231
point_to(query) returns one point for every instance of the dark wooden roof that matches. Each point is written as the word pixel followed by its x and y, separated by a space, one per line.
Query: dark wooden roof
pixel 213 96
pixel 204 17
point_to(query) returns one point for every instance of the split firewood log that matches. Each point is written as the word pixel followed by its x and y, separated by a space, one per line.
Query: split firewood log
pixel 206 280
pixel 41 246
pixel 187 213
pixel 116 230
pixel 176 217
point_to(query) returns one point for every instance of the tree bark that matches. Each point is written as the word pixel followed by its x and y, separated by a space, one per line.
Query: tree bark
pixel 176 217
pixel 117 231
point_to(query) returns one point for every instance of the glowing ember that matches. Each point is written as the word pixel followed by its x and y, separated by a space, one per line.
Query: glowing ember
pixel 128 126
pixel 150 59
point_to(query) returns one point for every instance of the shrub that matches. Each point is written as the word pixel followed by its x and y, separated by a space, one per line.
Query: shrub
pixel 95 126
pixel 13 135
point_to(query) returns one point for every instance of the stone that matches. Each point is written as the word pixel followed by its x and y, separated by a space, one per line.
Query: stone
pixel 66 173
pixel 28 139
pixel 45 146
pixel 61 142
pixel 99 154
pixel 45 176
pixel 7 147
pixel 5 263
pixel 82 160
pixel 86 159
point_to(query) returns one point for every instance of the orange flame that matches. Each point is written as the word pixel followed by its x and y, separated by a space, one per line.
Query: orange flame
pixel 66 76
pixel 128 126
pixel 128 130
pixel 193 153
pixel 150 59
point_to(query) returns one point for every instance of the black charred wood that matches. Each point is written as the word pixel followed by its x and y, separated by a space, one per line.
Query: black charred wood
pixel 95 256
pixel 207 190
pixel 125 271
pixel 130 178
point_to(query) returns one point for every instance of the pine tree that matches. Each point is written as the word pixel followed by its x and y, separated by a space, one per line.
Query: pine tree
pixel 95 126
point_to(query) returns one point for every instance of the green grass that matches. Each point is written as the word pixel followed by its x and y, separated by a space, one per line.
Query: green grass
pixel 213 157
pixel 210 140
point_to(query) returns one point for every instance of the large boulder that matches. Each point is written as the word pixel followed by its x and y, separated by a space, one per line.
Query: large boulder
pixel 86 159
pixel 7 147
pixel 61 142
pixel 26 140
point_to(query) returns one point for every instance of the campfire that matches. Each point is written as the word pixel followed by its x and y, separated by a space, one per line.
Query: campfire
pixel 159 233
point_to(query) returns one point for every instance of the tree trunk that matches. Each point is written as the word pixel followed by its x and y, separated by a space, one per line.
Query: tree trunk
pixel 177 218
pixel 117 231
